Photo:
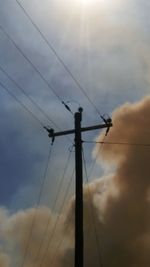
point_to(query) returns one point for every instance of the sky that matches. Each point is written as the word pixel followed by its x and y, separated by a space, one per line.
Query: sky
pixel 87 50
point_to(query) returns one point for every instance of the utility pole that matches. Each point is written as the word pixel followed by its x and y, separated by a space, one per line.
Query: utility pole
pixel 79 243
pixel 79 238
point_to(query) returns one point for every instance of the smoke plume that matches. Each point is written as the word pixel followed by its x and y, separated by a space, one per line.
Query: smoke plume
pixel 116 208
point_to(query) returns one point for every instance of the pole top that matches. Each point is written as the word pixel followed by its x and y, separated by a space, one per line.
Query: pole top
pixel 79 113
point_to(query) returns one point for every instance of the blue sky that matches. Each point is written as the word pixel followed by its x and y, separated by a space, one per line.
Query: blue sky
pixel 104 45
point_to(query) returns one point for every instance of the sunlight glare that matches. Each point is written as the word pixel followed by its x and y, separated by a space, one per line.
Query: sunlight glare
pixel 87 3
pixel 99 3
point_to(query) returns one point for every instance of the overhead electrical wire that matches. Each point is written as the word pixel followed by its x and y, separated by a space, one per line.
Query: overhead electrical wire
pixel 35 68
pixel 94 162
pixel 57 221
pixel 118 143
pixel 21 104
pixel 29 238
pixel 62 239
pixel 54 204
pixel 42 185
pixel 80 87
pixel 24 106
pixel 52 261
pixel 92 213
pixel 30 98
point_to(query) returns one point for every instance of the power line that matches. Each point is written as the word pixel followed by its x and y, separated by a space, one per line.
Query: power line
pixel 94 162
pixel 92 213
pixel 59 58
pixel 117 143
pixel 36 207
pixel 23 105
pixel 36 69
pixel 60 242
pixel 57 220
pixel 31 100
pixel 44 178
pixel 54 204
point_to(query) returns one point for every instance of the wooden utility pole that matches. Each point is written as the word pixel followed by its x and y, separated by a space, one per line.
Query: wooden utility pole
pixel 79 238
pixel 79 243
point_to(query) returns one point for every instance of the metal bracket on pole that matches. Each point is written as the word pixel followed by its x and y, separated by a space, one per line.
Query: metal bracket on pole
pixel 108 122
pixel 51 133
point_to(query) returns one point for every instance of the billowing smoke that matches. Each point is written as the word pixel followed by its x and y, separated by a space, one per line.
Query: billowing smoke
pixel 126 214
pixel 116 208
